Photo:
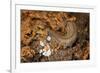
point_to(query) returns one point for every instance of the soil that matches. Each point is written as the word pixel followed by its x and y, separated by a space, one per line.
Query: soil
pixel 68 34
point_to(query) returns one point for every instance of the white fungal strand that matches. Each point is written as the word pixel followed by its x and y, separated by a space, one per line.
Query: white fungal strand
pixel 40 51
pixel 46 51
pixel 48 38
pixel 41 43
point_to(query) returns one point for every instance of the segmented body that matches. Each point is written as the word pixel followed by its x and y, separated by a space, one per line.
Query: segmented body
pixel 69 38
pixel 56 20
